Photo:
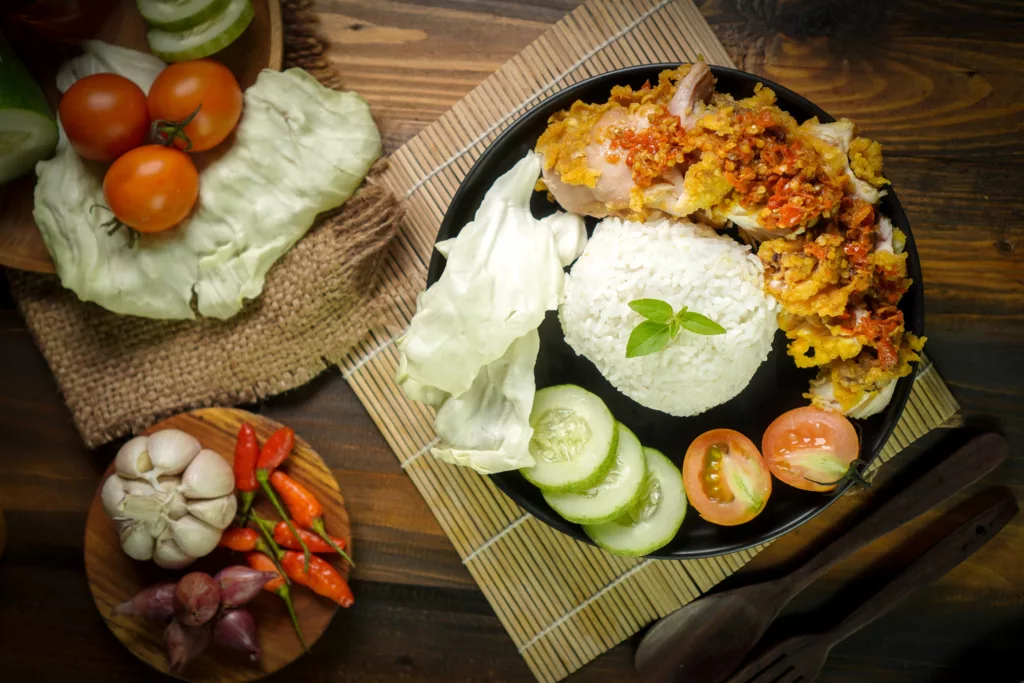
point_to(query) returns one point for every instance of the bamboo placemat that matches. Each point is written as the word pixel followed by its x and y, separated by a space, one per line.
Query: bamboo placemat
pixel 562 602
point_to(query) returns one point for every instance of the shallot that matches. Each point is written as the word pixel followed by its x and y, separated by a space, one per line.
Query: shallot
pixel 184 644
pixel 239 585
pixel 155 602
pixel 236 629
pixel 196 599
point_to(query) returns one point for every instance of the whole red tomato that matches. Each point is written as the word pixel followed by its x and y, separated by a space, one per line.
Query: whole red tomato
pixel 151 188
pixel 104 116
pixel 204 90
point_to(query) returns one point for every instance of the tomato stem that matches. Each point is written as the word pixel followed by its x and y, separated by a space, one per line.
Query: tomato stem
pixel 113 224
pixel 851 473
pixel 165 132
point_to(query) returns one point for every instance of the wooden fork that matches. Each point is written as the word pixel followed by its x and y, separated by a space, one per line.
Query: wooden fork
pixel 800 659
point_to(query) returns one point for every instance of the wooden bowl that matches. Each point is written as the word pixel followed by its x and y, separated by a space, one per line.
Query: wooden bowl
pixel 114 577
pixel 260 47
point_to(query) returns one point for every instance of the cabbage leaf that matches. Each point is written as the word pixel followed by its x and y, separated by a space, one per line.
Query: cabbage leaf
pixel 491 422
pixel 299 149
pixel 472 345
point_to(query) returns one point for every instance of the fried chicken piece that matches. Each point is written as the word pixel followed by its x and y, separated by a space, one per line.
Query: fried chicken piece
pixel 861 387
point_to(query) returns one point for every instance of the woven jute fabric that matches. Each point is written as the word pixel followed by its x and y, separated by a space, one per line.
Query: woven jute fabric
pixel 120 374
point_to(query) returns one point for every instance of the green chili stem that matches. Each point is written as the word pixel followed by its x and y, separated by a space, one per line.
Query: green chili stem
pixel 285 594
pixel 318 527
pixel 263 476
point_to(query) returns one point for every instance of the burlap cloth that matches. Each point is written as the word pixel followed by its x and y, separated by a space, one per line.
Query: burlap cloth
pixel 121 373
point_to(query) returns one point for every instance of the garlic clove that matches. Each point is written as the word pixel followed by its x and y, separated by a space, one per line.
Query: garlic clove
pixel 132 461
pixel 170 556
pixel 194 537
pixel 217 512
pixel 137 542
pixel 113 494
pixel 140 488
pixel 176 506
pixel 209 476
pixel 171 451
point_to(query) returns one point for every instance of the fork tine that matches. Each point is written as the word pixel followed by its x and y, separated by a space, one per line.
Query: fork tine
pixel 786 676
pixel 767 668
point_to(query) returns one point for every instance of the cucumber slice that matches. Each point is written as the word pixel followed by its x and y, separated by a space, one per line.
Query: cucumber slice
pixel 617 492
pixel 204 39
pixel 28 130
pixel 574 439
pixel 656 517
pixel 178 15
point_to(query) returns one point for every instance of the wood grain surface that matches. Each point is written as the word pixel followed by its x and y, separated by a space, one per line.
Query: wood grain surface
pixel 940 83
pixel 260 47
pixel 114 577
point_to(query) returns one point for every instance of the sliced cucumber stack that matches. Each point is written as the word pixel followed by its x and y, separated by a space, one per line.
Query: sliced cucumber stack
pixel 615 493
pixel 177 15
pixel 574 439
pixel 28 131
pixel 655 518
pixel 210 35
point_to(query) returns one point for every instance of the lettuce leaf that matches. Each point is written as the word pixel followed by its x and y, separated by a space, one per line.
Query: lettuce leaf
pixel 299 149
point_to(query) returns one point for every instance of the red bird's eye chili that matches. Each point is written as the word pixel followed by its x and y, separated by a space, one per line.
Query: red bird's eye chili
pixel 240 540
pixel 278 587
pixel 247 452
pixel 284 538
pixel 275 450
pixel 320 577
pixel 304 508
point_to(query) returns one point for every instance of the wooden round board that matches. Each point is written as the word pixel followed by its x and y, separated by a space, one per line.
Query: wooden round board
pixel 260 47
pixel 114 577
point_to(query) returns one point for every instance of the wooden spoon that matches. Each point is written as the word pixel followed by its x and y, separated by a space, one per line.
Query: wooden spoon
pixel 704 641
pixel 801 657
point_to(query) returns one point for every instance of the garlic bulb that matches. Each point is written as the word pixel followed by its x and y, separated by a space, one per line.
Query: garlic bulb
pixel 171 499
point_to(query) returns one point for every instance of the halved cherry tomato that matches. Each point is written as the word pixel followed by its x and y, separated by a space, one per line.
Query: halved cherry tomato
pixel 151 188
pixel 205 88
pixel 104 116
pixel 725 477
pixel 810 448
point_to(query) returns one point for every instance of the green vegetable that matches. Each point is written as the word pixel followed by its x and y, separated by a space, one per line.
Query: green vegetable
pixel 471 347
pixel 177 15
pixel 28 130
pixel 300 149
pixel 655 518
pixel 616 492
pixel 204 39
pixel 662 326
pixel 575 440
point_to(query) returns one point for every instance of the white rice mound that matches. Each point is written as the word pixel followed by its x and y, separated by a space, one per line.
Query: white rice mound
pixel 685 265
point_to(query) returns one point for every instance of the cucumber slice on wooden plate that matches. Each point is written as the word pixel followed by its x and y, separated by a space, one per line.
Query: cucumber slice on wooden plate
pixel 177 15
pixel 202 40
pixel 655 518
pixel 615 493
pixel 574 439
pixel 28 130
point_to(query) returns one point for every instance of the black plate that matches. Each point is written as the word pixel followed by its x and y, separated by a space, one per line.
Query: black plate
pixel 777 386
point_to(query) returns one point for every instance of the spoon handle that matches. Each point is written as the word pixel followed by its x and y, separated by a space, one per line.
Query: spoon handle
pixel 967 465
pixel 932 565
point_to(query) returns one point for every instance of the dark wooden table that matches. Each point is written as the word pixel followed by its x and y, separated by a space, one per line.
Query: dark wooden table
pixel 940 83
